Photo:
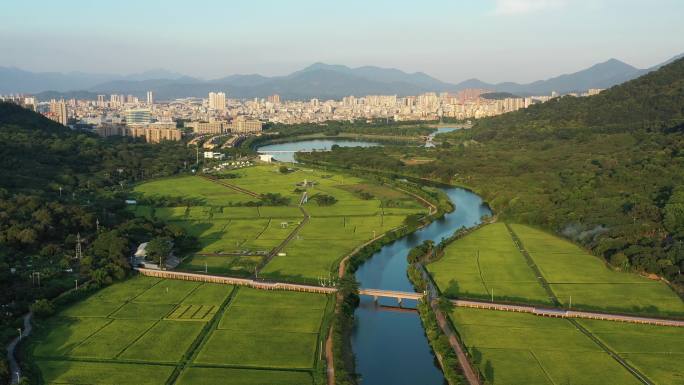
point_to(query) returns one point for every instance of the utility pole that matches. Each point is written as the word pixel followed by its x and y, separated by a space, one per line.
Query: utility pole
pixel 79 252
pixel 76 281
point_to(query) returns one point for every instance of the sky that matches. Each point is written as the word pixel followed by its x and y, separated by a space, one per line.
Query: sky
pixel 453 40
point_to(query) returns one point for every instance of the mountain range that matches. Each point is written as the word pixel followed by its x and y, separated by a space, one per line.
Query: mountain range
pixel 323 81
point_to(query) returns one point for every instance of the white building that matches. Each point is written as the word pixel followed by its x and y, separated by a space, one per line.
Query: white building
pixel 217 101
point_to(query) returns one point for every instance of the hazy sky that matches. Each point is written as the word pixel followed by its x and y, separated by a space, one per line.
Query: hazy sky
pixel 494 40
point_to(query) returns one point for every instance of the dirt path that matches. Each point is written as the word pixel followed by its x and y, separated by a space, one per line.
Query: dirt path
pixel 15 370
pixel 466 368
pixel 232 186
pixel 287 240
pixel 330 370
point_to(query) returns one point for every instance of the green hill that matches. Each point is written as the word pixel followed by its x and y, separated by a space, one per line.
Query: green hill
pixel 606 171
pixel 652 102
pixel 56 183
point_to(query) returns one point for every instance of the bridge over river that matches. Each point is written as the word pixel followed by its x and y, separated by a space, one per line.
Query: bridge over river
pixel 403 295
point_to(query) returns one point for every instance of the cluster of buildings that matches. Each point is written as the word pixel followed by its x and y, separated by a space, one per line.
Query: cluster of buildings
pixel 218 115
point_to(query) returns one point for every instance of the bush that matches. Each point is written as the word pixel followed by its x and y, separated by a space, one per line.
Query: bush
pixel 42 308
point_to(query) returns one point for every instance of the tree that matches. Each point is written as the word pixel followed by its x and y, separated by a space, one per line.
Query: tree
pixel 42 308
pixel 283 169
pixel 619 261
pixel 324 199
pixel 158 249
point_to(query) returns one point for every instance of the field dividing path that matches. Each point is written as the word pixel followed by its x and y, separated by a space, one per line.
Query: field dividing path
pixel 545 284
pixel 15 369
pixel 232 186
pixel 287 240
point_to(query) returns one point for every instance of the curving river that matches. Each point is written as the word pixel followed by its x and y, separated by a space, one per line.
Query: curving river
pixel 389 342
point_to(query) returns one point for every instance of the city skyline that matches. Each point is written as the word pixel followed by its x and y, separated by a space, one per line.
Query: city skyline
pixel 452 42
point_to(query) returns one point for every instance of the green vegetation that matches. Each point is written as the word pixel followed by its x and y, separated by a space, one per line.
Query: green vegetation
pixel 515 348
pixel 484 261
pixel 164 328
pixel 604 171
pixel 572 272
pixel 235 240
pixel 655 351
pixel 56 183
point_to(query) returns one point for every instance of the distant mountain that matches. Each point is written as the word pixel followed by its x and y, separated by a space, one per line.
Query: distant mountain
pixel 15 80
pixel 319 80
pixel 601 75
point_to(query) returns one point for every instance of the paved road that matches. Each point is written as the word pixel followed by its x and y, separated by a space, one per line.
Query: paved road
pixel 15 370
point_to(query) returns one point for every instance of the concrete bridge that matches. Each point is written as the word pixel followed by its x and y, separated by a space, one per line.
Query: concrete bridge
pixel 398 295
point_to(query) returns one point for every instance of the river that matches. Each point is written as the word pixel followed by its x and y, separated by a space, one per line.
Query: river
pixel 290 148
pixel 390 343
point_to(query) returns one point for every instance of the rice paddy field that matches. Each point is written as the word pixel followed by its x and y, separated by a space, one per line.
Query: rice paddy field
pixel 488 259
pixel 573 272
pixel 151 331
pixel 518 348
pixel 484 261
pixel 236 239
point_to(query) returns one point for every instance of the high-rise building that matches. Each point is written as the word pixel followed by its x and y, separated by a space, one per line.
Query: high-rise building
pixel 100 100
pixel 275 99
pixel 138 116
pixel 58 111
pixel 150 98
pixel 217 101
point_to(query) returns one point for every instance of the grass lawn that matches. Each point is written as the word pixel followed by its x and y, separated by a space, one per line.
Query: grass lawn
pixel 226 376
pixel 571 271
pixel 500 267
pixel 517 348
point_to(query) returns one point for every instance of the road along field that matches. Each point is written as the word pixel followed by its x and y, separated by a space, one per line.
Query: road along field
pixel 151 331
pixel 515 348
pixel 236 239
pixel 575 275
pixel 485 262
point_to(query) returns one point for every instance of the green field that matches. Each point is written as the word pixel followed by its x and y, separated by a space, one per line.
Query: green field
pixel 517 348
pixel 657 352
pixel 485 261
pixel 146 327
pixel 573 272
pixel 263 329
pixel 234 240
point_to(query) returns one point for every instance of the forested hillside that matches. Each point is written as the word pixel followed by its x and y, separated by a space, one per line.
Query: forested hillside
pixel 606 171
pixel 56 183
